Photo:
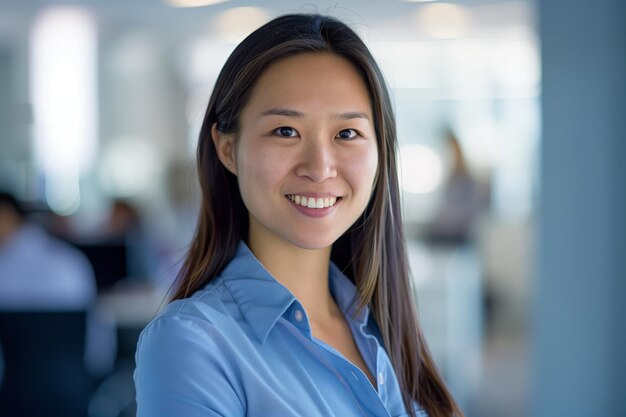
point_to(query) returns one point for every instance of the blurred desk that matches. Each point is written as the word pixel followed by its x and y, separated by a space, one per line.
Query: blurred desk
pixel 132 305
pixel 129 306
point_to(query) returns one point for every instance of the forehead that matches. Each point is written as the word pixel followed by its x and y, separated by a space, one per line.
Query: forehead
pixel 311 82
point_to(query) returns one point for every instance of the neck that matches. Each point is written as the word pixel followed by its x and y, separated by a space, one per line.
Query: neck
pixel 304 272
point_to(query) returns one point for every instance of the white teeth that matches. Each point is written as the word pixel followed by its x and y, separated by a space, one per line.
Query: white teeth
pixel 312 202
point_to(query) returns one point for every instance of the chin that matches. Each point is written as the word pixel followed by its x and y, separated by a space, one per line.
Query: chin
pixel 312 243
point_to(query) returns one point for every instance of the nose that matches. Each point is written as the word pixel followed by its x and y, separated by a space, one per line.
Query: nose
pixel 317 161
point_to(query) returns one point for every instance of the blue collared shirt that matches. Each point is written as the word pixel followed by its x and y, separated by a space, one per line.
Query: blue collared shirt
pixel 242 346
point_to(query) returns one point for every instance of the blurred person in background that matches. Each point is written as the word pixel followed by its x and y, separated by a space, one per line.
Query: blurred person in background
pixel 125 224
pixel 464 200
pixel 37 270
pixel 43 280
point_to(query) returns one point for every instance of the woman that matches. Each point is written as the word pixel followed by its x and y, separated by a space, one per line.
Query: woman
pixel 294 299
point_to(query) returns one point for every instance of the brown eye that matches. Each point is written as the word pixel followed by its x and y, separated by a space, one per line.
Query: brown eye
pixel 286 131
pixel 347 134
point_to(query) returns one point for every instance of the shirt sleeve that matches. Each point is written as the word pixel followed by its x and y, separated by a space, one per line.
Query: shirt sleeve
pixel 183 370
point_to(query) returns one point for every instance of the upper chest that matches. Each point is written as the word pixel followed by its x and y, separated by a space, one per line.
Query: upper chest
pixel 292 372
pixel 338 335
pixel 297 374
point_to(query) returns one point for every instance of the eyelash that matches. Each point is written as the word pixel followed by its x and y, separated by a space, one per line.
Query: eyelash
pixel 278 129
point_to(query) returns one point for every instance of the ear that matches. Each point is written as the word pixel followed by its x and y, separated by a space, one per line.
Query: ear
pixel 225 148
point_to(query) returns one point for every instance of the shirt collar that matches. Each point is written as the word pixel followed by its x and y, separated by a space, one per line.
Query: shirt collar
pixel 263 300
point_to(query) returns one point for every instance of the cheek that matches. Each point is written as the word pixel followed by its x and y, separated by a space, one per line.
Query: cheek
pixel 361 170
pixel 259 167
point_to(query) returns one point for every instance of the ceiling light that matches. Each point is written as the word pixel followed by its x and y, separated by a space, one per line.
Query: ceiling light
pixel 63 67
pixel 193 3
pixel 421 169
pixel 443 20
pixel 236 23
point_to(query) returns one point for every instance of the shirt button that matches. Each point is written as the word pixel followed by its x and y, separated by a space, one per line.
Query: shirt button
pixel 381 378
pixel 298 315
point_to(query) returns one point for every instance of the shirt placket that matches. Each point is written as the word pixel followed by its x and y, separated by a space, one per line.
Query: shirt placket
pixel 366 396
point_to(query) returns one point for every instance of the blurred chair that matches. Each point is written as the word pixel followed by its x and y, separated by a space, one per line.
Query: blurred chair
pixel 44 371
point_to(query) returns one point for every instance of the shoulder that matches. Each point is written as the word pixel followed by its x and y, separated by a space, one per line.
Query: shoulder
pixel 186 360
pixel 183 330
pixel 204 314
pixel 209 321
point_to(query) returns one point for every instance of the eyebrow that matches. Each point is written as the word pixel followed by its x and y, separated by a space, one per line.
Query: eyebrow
pixel 282 112
pixel 294 113
pixel 353 115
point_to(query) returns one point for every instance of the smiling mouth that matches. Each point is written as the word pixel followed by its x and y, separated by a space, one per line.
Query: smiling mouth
pixel 315 203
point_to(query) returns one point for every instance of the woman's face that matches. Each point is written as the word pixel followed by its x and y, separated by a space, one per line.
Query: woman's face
pixel 306 154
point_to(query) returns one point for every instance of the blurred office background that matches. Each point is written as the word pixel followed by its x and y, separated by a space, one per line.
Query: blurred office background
pixel 511 127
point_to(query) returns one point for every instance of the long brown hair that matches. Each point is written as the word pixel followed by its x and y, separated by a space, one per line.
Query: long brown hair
pixel 372 252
